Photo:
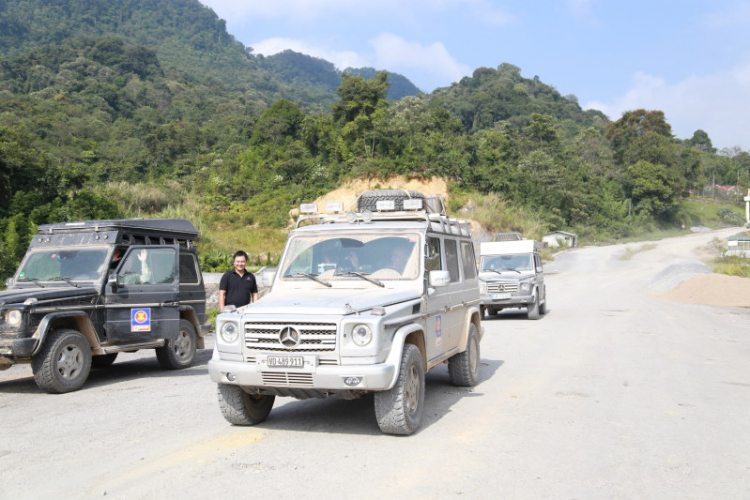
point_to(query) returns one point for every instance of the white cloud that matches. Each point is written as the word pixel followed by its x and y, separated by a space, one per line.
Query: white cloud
pixel 340 59
pixel 398 55
pixel 717 104
pixel 236 11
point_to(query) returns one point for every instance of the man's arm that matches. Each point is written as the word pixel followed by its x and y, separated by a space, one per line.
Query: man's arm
pixel 222 298
pixel 255 297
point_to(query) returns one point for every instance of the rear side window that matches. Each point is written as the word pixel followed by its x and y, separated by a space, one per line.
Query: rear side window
pixel 468 260
pixel 188 269
pixel 451 259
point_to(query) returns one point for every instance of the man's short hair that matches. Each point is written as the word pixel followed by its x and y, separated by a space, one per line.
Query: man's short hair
pixel 240 253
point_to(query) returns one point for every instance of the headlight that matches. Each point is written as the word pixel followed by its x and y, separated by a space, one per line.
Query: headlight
pixel 361 335
pixel 229 332
pixel 525 286
pixel 14 317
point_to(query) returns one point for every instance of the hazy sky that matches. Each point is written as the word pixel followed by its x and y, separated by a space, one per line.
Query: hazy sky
pixel 688 58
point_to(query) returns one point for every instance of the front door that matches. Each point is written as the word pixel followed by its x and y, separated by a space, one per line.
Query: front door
pixel 143 304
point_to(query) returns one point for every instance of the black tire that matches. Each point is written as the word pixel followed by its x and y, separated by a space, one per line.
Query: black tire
pixel 533 309
pixel 463 367
pixel 399 410
pixel 369 199
pixel 543 307
pixel 241 408
pixel 481 312
pixel 180 352
pixel 492 312
pixel 104 360
pixel 64 362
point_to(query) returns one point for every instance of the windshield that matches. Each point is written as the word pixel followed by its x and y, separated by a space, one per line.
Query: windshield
pixel 506 262
pixel 53 264
pixel 346 256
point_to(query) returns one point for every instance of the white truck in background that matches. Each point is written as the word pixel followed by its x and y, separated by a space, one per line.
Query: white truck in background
pixel 511 276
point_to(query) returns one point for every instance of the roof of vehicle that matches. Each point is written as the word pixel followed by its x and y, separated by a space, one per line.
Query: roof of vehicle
pixel 385 220
pixel 180 228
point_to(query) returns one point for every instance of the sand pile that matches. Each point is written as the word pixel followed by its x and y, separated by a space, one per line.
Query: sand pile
pixel 711 289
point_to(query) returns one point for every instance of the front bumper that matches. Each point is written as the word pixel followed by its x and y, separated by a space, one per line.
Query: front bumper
pixel 13 351
pixel 375 377
pixel 512 301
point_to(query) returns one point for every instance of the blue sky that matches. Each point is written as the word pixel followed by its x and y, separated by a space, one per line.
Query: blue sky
pixel 688 58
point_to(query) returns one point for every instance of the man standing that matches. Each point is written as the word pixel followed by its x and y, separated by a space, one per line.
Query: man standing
pixel 237 287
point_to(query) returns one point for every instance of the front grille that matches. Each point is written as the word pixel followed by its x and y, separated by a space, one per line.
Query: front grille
pixel 287 379
pixel 313 337
pixel 500 287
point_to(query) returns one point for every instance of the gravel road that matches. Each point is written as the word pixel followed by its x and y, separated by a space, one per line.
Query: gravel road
pixel 615 393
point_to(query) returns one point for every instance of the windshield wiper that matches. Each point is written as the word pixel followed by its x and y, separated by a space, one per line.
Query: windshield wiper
pixel 500 271
pixel 313 277
pixel 363 276
pixel 33 280
pixel 69 281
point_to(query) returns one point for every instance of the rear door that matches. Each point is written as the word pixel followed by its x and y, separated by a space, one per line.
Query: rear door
pixel 144 304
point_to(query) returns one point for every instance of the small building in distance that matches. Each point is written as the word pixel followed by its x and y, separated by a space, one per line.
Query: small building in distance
pixel 560 238
pixel 738 245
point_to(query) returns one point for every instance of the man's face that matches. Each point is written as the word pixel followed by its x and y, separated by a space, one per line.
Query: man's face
pixel 239 264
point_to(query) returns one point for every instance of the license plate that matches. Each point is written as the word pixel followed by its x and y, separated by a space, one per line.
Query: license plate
pixel 500 296
pixel 285 362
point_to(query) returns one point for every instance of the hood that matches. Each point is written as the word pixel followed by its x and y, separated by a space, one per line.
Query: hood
pixel 330 301
pixel 505 276
pixel 19 295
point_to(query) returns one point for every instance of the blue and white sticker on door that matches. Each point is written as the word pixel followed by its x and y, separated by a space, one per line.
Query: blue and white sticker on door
pixel 140 320
pixel 438 330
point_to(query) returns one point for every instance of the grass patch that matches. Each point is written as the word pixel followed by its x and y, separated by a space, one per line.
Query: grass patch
pixel 732 265
pixel 630 251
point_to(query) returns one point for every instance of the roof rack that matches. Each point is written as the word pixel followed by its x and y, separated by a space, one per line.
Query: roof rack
pixel 437 222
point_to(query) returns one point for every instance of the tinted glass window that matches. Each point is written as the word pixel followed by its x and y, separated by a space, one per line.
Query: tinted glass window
pixel 188 269
pixel 451 259
pixel 433 255
pixel 468 260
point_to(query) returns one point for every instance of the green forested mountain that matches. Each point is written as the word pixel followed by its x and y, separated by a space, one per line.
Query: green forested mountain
pixel 114 108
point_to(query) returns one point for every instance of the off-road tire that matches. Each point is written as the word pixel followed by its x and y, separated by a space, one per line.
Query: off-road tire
pixel 492 311
pixel 543 307
pixel 64 362
pixel 463 367
pixel 369 199
pixel 180 352
pixel 240 408
pixel 399 410
pixel 533 309
pixel 103 361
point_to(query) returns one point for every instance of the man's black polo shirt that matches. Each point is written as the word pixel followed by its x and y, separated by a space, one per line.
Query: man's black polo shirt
pixel 238 288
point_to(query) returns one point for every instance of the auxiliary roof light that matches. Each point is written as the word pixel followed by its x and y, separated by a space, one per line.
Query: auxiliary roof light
pixel 367 216
pixel 334 207
pixel 413 204
pixel 383 205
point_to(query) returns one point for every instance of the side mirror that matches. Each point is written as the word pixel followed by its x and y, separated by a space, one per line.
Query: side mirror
pixel 268 278
pixel 439 278
pixel 112 282
pixel 8 283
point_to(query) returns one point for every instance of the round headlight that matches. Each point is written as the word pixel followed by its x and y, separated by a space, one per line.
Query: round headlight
pixel 14 317
pixel 229 332
pixel 361 335
pixel 525 286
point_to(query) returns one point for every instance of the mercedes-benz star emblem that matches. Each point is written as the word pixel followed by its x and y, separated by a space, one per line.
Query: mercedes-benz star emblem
pixel 289 336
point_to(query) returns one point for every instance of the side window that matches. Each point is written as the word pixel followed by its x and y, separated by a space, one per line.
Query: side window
pixel 148 266
pixel 451 259
pixel 468 260
pixel 188 269
pixel 433 255
pixel 538 263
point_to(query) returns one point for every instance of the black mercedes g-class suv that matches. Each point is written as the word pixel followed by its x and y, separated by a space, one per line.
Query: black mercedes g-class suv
pixel 86 291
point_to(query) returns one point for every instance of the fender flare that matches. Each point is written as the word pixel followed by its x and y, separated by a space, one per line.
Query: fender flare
pixel 400 337
pixel 83 325
pixel 189 314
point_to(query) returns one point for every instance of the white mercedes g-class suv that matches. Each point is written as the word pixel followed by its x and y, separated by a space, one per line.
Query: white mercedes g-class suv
pixel 362 302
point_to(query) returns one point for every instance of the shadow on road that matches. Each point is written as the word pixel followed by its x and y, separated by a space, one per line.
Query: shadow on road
pixel 358 416
pixel 21 378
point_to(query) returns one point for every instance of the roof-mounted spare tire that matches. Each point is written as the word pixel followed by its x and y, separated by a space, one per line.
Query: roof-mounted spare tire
pixel 369 199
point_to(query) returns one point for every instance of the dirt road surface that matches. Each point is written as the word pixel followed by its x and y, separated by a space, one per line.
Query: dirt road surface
pixel 615 393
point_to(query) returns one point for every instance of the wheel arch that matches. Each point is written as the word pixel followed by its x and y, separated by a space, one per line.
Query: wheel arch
pixel 189 314
pixel 74 320
pixel 407 334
